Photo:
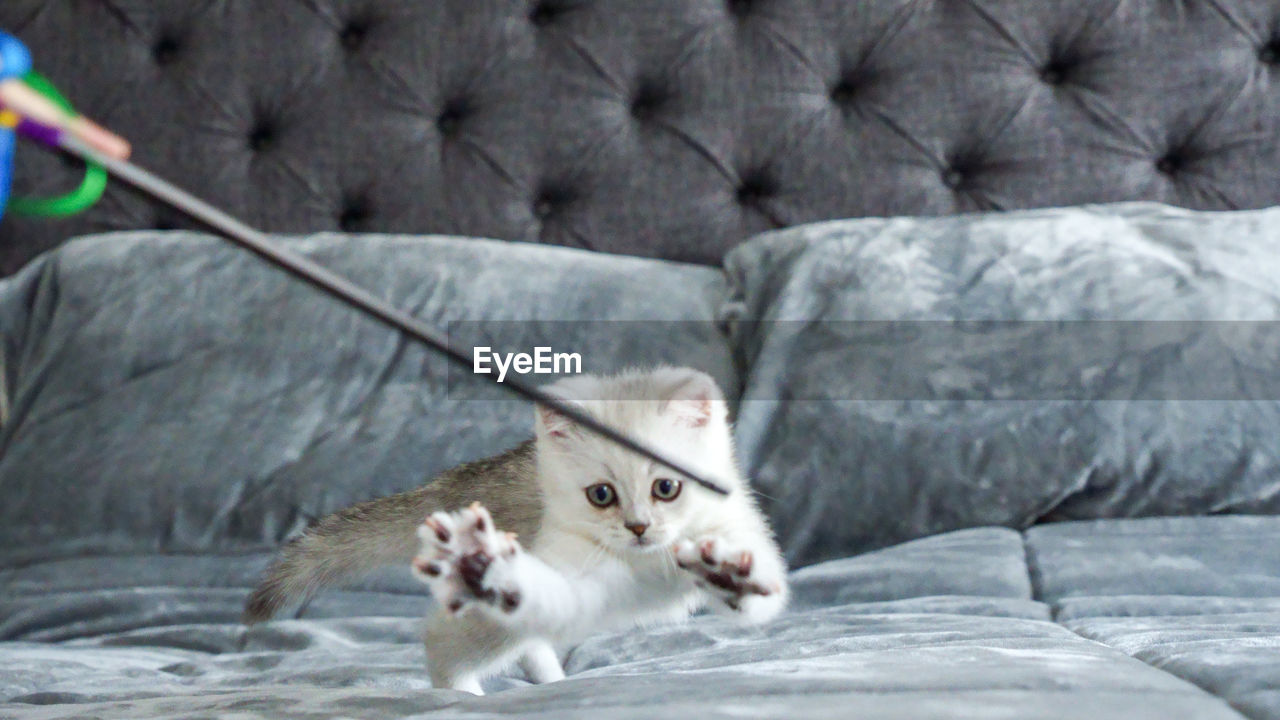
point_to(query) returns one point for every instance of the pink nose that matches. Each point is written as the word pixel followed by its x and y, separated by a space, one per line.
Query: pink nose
pixel 637 528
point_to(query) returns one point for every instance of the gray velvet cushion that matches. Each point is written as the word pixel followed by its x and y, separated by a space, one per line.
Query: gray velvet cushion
pixel 1196 597
pixel 902 638
pixel 669 128
pixel 170 393
pixel 910 412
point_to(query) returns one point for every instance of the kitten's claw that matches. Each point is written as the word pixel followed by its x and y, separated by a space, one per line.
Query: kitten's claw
pixel 727 574
pixel 464 560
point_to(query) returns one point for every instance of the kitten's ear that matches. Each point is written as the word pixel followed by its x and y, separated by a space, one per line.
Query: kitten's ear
pixel 693 398
pixel 552 424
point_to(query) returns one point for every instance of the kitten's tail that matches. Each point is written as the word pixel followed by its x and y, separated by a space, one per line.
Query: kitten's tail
pixel 342 547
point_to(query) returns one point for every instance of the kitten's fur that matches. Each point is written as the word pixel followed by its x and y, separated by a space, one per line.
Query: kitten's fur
pixel 586 568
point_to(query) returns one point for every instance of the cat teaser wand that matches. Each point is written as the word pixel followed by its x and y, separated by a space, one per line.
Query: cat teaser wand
pixel 322 278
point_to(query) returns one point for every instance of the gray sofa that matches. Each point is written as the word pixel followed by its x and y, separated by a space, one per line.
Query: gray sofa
pixel 1024 464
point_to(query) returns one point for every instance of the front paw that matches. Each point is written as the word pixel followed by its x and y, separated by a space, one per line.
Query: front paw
pixel 465 560
pixel 733 575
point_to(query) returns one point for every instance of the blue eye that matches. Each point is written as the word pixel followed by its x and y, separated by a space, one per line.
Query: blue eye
pixel 601 495
pixel 666 489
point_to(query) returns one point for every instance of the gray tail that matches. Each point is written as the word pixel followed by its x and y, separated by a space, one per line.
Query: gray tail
pixel 339 548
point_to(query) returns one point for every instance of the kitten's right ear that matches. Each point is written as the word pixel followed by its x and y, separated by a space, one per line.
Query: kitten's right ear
pixel 553 424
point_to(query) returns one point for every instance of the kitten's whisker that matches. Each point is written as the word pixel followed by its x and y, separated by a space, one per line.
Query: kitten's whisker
pixel 597 552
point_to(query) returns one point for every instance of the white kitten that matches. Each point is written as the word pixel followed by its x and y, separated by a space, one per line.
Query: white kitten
pixel 613 539
pixel 622 541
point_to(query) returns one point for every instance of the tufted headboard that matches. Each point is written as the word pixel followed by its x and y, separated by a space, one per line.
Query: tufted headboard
pixel 670 128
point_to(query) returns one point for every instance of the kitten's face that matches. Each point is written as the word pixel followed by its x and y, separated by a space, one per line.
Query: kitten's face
pixel 635 508
pixel 618 499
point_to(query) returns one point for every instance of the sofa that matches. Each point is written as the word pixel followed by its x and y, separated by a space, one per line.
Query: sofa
pixel 991 286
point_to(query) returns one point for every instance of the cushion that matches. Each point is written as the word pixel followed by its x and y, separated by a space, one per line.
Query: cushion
pixel 940 373
pixel 1196 597
pixel 884 635
pixel 170 393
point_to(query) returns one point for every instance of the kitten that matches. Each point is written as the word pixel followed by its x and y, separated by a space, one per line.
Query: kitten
pixel 614 540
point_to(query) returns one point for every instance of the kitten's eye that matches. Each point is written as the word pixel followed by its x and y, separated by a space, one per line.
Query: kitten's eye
pixel 601 495
pixel 666 489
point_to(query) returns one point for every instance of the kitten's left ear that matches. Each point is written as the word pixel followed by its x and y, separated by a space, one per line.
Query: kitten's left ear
pixel 694 398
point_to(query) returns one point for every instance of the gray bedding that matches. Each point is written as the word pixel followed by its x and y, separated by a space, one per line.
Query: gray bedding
pixel 973 623
pixel 155 451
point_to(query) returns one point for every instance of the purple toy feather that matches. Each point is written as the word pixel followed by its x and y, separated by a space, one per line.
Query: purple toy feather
pixel 40 133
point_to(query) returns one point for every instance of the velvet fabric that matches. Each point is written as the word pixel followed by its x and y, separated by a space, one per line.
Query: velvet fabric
pixel 664 128
pixel 958 625
pixel 915 375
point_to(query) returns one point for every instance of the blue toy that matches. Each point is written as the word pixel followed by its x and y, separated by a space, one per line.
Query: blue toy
pixel 15 62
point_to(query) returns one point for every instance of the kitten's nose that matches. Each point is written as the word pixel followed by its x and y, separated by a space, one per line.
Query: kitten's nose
pixel 637 528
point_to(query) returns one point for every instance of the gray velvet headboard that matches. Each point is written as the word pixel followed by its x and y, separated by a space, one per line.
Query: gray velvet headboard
pixel 671 128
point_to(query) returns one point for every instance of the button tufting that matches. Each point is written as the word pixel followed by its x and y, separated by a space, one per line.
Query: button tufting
pixel 543 14
pixel 1055 73
pixel 1169 164
pixel 756 187
pixel 647 100
pixel 451 117
pixel 930 152
pixel 1270 53
pixel 552 200
pixel 447 124
pixel 844 92
pixel 165 51
pixel 263 137
pixel 353 215
pixel 353 35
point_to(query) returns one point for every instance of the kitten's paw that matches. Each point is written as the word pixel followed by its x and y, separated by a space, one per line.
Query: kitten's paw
pixel 465 560
pixel 731 574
